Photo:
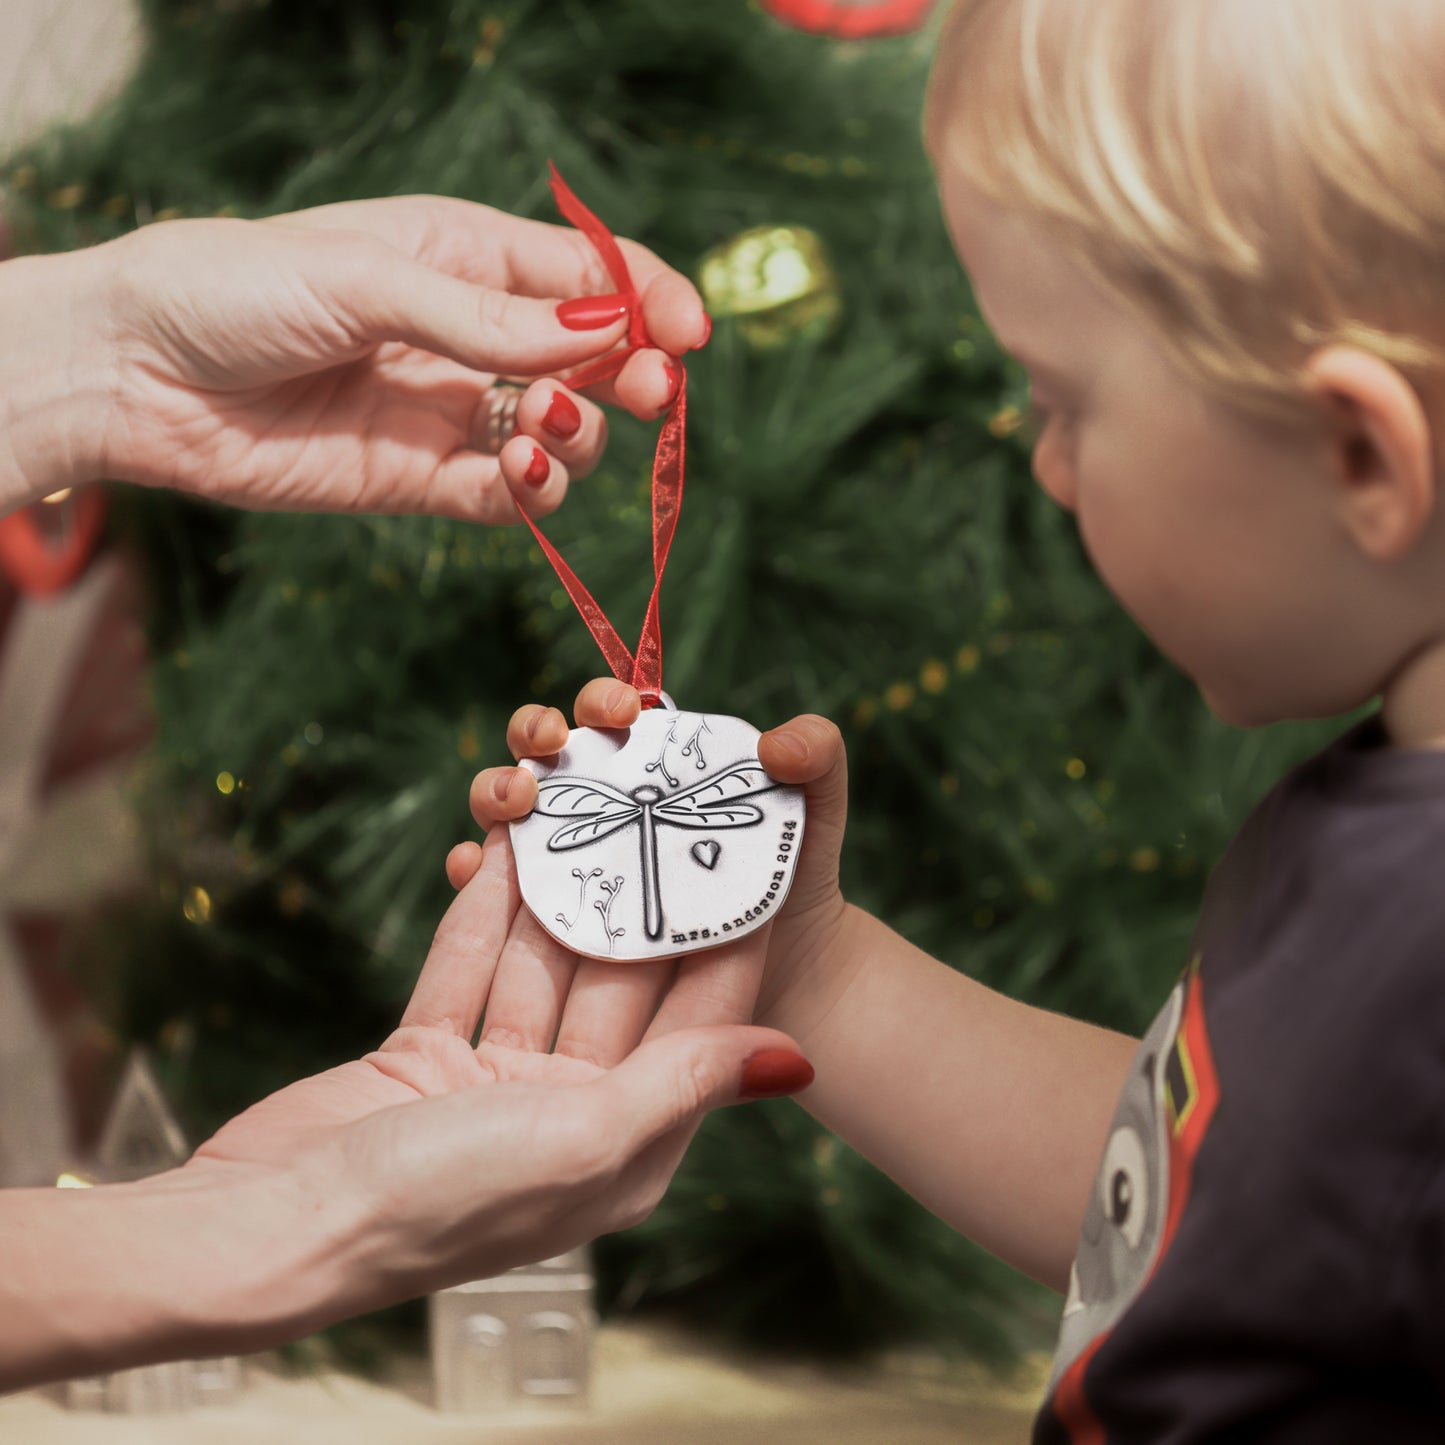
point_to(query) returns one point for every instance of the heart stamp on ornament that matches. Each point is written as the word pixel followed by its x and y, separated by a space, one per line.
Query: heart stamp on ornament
pixel 706 852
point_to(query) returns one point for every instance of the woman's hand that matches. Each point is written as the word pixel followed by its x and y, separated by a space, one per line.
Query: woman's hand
pixel 806 962
pixel 428 1162
pixel 338 359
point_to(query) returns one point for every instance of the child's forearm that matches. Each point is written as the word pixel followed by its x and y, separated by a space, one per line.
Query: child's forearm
pixel 991 1113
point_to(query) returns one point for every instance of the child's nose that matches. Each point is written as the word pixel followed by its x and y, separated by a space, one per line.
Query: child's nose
pixel 1055 477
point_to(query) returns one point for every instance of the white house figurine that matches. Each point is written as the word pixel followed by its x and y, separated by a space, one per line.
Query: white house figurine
pixel 522 1336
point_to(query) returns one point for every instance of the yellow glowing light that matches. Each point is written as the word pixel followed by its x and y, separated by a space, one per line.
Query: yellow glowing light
pixel 225 783
pixel 1144 860
pixel 73 1181
pixel 899 696
pixel 1005 421
pixel 967 659
pixel 1075 768
pixel 197 904
pixel 933 675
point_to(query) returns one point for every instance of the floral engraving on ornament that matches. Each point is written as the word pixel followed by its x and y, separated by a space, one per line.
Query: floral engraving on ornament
pixel 694 745
pixel 712 803
pixel 584 879
pixel 605 909
pixel 706 852
pixel 660 761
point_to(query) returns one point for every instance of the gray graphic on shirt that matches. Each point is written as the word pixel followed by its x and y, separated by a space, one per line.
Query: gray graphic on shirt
pixel 1126 1213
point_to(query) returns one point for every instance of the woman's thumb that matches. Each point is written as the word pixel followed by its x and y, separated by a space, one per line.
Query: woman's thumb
pixel 675 1078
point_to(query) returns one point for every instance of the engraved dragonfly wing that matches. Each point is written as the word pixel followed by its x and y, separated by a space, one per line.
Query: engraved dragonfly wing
pixel 713 803
pixel 601 810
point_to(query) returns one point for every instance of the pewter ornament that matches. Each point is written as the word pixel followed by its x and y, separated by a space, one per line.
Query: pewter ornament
pixel 659 839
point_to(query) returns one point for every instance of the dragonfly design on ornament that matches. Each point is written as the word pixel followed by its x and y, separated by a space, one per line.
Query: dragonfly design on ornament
pixel 602 810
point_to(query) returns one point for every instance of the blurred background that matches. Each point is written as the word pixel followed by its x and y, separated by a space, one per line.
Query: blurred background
pixel 291 708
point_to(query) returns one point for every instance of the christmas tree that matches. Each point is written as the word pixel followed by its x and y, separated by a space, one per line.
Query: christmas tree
pixel 1037 795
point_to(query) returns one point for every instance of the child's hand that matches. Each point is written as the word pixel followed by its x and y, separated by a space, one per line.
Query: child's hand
pixel 803 941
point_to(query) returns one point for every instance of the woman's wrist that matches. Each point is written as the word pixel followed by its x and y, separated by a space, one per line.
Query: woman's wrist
pixel 57 373
pixel 205 1260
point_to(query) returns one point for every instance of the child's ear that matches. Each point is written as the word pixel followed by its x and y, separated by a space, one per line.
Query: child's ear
pixel 1381 449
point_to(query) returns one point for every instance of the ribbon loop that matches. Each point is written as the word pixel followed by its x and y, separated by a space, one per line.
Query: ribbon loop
pixel 644 670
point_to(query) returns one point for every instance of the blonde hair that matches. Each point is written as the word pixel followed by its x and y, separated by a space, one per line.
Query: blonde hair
pixel 1259 177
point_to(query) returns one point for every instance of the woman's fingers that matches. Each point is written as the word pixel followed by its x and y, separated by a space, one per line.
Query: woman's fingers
pixel 716 986
pixel 673 311
pixel 571 429
pixel 377 293
pixel 610 1007
pixel 456 978
pixel 672 1081
pixel 533 978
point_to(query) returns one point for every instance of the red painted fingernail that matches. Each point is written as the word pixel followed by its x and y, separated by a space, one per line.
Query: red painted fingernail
pixel 562 418
pixel 771 1072
pixel 591 313
pixel 538 469
pixel 674 381
pixel 706 331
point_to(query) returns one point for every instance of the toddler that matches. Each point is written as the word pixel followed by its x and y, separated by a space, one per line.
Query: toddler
pixel 1213 232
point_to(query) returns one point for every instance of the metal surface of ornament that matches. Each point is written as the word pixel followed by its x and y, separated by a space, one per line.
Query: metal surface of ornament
pixel 658 839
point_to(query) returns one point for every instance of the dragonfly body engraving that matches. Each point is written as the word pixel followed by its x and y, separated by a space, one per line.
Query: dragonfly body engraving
pixel 597 809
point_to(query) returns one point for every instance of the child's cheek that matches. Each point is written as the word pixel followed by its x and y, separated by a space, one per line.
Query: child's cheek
pixel 1138 555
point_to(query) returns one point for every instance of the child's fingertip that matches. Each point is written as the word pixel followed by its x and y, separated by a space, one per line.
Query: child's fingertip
pixel 621 703
pixel 786 748
pixel 462 864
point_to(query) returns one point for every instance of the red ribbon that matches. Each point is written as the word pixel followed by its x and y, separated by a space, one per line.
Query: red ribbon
pixel 644 671
pixel 46 546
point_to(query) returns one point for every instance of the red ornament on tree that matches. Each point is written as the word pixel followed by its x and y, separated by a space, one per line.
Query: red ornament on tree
pixel 852 19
